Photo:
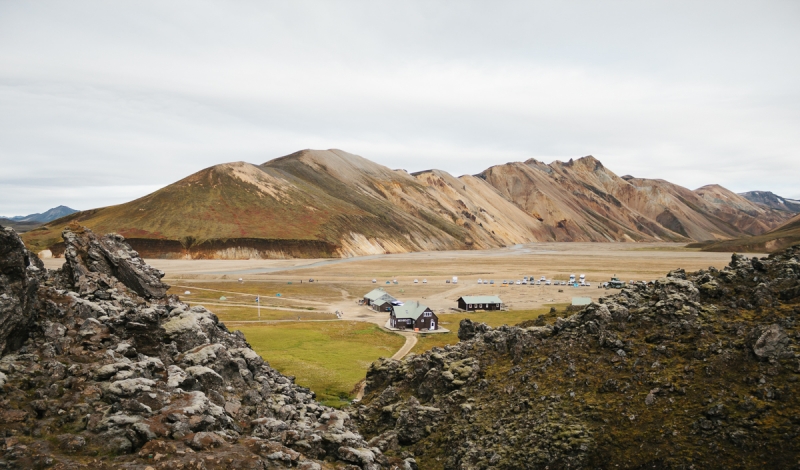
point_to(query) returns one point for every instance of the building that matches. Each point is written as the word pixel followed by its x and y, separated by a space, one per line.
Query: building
pixel 413 315
pixel 384 303
pixel 374 295
pixel 470 303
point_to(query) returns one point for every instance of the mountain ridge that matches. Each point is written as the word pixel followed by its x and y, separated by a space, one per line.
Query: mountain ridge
pixel 46 216
pixel 330 203
pixel 770 199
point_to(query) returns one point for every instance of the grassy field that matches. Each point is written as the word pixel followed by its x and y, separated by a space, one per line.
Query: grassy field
pixel 494 319
pixel 330 358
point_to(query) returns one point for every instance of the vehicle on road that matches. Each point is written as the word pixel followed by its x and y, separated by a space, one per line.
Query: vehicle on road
pixel 615 283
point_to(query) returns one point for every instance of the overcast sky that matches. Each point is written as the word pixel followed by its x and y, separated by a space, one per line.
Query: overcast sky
pixel 102 102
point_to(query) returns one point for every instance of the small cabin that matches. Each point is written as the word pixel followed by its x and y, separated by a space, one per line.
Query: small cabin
pixel 471 303
pixel 374 295
pixel 384 303
pixel 413 316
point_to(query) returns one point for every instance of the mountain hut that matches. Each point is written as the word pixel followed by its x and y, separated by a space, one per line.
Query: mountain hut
pixel 413 315
pixel 471 303
pixel 375 294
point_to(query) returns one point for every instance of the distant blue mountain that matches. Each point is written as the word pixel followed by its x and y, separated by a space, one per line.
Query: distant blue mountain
pixel 52 214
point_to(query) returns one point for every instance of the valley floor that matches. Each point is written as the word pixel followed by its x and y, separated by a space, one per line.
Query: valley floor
pixel 340 283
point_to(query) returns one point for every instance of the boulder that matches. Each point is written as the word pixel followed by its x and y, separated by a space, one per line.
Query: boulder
pixel 770 341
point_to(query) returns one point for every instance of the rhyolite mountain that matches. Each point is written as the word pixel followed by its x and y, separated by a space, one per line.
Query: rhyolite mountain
pixel 770 199
pixel 329 203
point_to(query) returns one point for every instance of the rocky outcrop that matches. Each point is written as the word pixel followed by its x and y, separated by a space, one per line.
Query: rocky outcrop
pixel 117 374
pixel 20 274
pixel 698 369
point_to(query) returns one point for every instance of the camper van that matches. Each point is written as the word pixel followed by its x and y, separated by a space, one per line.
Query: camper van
pixel 455 279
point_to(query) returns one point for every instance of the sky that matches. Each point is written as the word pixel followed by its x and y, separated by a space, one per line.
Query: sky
pixel 103 102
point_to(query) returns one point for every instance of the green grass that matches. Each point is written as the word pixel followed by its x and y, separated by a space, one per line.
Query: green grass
pixel 330 358
pixel 493 319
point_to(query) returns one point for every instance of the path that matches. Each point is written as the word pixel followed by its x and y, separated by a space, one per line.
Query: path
pixel 411 341
pixel 265 307
pixel 251 295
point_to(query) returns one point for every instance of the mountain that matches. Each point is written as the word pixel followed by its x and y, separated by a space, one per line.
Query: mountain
pixel 330 203
pixel 47 216
pixel 777 239
pixel 581 200
pixel 770 199
pixel 696 370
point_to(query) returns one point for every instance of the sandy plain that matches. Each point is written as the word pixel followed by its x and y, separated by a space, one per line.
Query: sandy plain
pixel 339 283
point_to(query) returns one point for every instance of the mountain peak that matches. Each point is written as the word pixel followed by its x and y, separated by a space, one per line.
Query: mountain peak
pixel 47 216
pixel 770 199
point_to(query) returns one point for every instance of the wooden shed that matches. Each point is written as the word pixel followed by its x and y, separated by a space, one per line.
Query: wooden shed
pixel 471 303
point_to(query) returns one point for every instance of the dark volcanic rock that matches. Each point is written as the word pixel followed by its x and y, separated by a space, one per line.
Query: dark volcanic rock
pixel 116 374
pixel 93 263
pixel 698 370
pixel 20 274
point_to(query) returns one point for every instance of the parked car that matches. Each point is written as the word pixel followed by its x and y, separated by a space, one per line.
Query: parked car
pixel 491 282
pixel 547 283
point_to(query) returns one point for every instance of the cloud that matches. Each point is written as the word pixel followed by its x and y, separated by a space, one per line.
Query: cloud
pixel 100 101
